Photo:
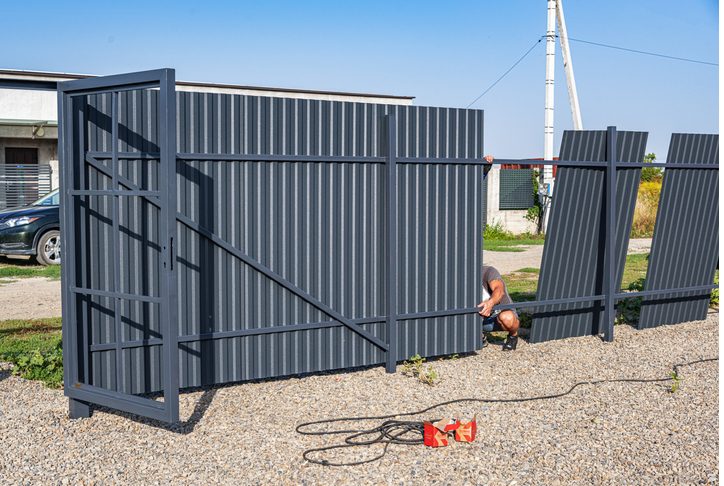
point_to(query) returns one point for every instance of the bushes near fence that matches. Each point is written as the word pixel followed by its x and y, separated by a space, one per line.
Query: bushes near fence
pixel 647 203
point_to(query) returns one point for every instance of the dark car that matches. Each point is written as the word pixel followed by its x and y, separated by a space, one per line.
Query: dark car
pixel 32 230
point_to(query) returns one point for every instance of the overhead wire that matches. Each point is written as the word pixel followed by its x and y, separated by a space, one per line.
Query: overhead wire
pixel 506 72
pixel 595 44
pixel 394 431
pixel 643 52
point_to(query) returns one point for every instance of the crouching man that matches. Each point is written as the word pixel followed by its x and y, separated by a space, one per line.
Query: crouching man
pixel 495 292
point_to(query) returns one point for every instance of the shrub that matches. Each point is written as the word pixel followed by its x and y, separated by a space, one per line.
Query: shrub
pixel 496 231
pixel 34 365
pixel 649 174
pixel 647 204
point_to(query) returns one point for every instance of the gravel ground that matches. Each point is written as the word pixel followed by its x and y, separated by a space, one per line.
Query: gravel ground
pixel 619 433
pixel 30 298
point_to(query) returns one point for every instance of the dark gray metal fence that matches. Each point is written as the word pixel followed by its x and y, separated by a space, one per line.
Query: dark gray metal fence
pixel 306 235
pixel 563 273
pixel 574 258
pixel 516 189
pixel 685 247
pixel 23 184
pixel 216 238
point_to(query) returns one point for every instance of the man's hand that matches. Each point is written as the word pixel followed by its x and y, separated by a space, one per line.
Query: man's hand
pixel 498 291
pixel 489 159
pixel 487 307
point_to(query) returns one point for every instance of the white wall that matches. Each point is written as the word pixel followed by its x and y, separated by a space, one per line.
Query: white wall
pixel 25 104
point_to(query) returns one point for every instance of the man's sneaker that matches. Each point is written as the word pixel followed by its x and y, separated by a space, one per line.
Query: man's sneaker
pixel 485 341
pixel 510 343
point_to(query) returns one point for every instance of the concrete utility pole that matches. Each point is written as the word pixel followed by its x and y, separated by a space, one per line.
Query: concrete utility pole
pixel 555 11
pixel 550 74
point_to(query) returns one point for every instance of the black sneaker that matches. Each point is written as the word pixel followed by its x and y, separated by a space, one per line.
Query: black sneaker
pixel 485 341
pixel 510 343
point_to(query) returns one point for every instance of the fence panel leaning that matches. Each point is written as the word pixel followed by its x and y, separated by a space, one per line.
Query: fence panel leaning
pixel 574 257
pixel 279 236
pixel 685 247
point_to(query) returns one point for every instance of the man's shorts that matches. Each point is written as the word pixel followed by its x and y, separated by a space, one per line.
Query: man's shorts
pixel 491 324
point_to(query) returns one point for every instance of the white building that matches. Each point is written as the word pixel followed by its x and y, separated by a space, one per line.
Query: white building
pixel 29 112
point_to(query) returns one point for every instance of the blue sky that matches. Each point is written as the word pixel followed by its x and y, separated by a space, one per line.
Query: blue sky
pixel 443 53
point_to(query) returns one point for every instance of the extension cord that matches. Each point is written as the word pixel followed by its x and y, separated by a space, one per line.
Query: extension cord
pixel 393 431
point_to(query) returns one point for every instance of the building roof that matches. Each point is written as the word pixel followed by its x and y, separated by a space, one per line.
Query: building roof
pixel 23 79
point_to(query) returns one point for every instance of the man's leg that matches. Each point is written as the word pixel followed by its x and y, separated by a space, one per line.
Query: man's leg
pixel 509 322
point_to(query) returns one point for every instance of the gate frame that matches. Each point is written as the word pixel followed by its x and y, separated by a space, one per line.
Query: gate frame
pixel 82 394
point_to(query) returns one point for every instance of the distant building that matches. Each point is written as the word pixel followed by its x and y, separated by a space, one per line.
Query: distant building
pixel 29 122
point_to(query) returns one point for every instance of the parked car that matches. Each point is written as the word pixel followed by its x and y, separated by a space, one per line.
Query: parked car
pixel 32 230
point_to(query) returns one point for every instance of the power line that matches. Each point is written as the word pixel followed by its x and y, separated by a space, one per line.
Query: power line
pixel 506 72
pixel 595 44
pixel 643 52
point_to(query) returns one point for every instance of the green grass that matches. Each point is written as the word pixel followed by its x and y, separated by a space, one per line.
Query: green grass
pixel 28 269
pixel 634 269
pixel 23 336
pixel 522 285
pixel 510 245
pixel 34 346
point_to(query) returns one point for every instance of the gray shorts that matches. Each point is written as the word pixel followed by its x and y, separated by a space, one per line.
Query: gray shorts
pixel 491 324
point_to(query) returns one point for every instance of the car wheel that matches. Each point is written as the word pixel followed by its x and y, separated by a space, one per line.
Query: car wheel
pixel 48 250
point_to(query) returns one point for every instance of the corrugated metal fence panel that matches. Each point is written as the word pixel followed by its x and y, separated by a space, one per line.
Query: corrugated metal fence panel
pixel 22 184
pixel 233 124
pixel 685 247
pixel 573 261
pixel 319 226
pixel 516 189
pixel 440 256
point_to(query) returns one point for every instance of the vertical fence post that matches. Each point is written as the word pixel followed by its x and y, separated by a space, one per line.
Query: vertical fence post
pixel 610 278
pixel 391 165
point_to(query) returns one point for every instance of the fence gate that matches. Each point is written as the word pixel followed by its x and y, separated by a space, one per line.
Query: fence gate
pixel 117 191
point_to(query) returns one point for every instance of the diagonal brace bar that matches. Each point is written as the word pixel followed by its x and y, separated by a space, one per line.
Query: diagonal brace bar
pixel 120 179
pixel 281 281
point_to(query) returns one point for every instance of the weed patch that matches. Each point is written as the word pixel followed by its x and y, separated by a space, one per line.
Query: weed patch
pixel 415 367
pixel 34 347
pixel 45 367
pixel 647 203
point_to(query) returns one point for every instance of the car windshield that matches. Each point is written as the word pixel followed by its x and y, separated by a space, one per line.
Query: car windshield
pixel 50 199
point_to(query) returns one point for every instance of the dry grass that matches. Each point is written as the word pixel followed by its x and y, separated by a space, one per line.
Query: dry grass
pixel 647 204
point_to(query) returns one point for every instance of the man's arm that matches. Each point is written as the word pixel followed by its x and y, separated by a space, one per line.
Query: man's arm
pixel 498 288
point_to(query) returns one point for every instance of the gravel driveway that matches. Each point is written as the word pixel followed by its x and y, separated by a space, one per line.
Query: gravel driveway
pixel 616 433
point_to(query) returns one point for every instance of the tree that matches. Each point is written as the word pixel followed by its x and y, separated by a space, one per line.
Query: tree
pixel 649 174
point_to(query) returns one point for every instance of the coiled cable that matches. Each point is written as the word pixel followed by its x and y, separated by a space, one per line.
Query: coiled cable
pixel 412 433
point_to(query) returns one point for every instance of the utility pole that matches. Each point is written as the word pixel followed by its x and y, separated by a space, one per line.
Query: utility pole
pixel 550 74
pixel 548 130
pixel 555 13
